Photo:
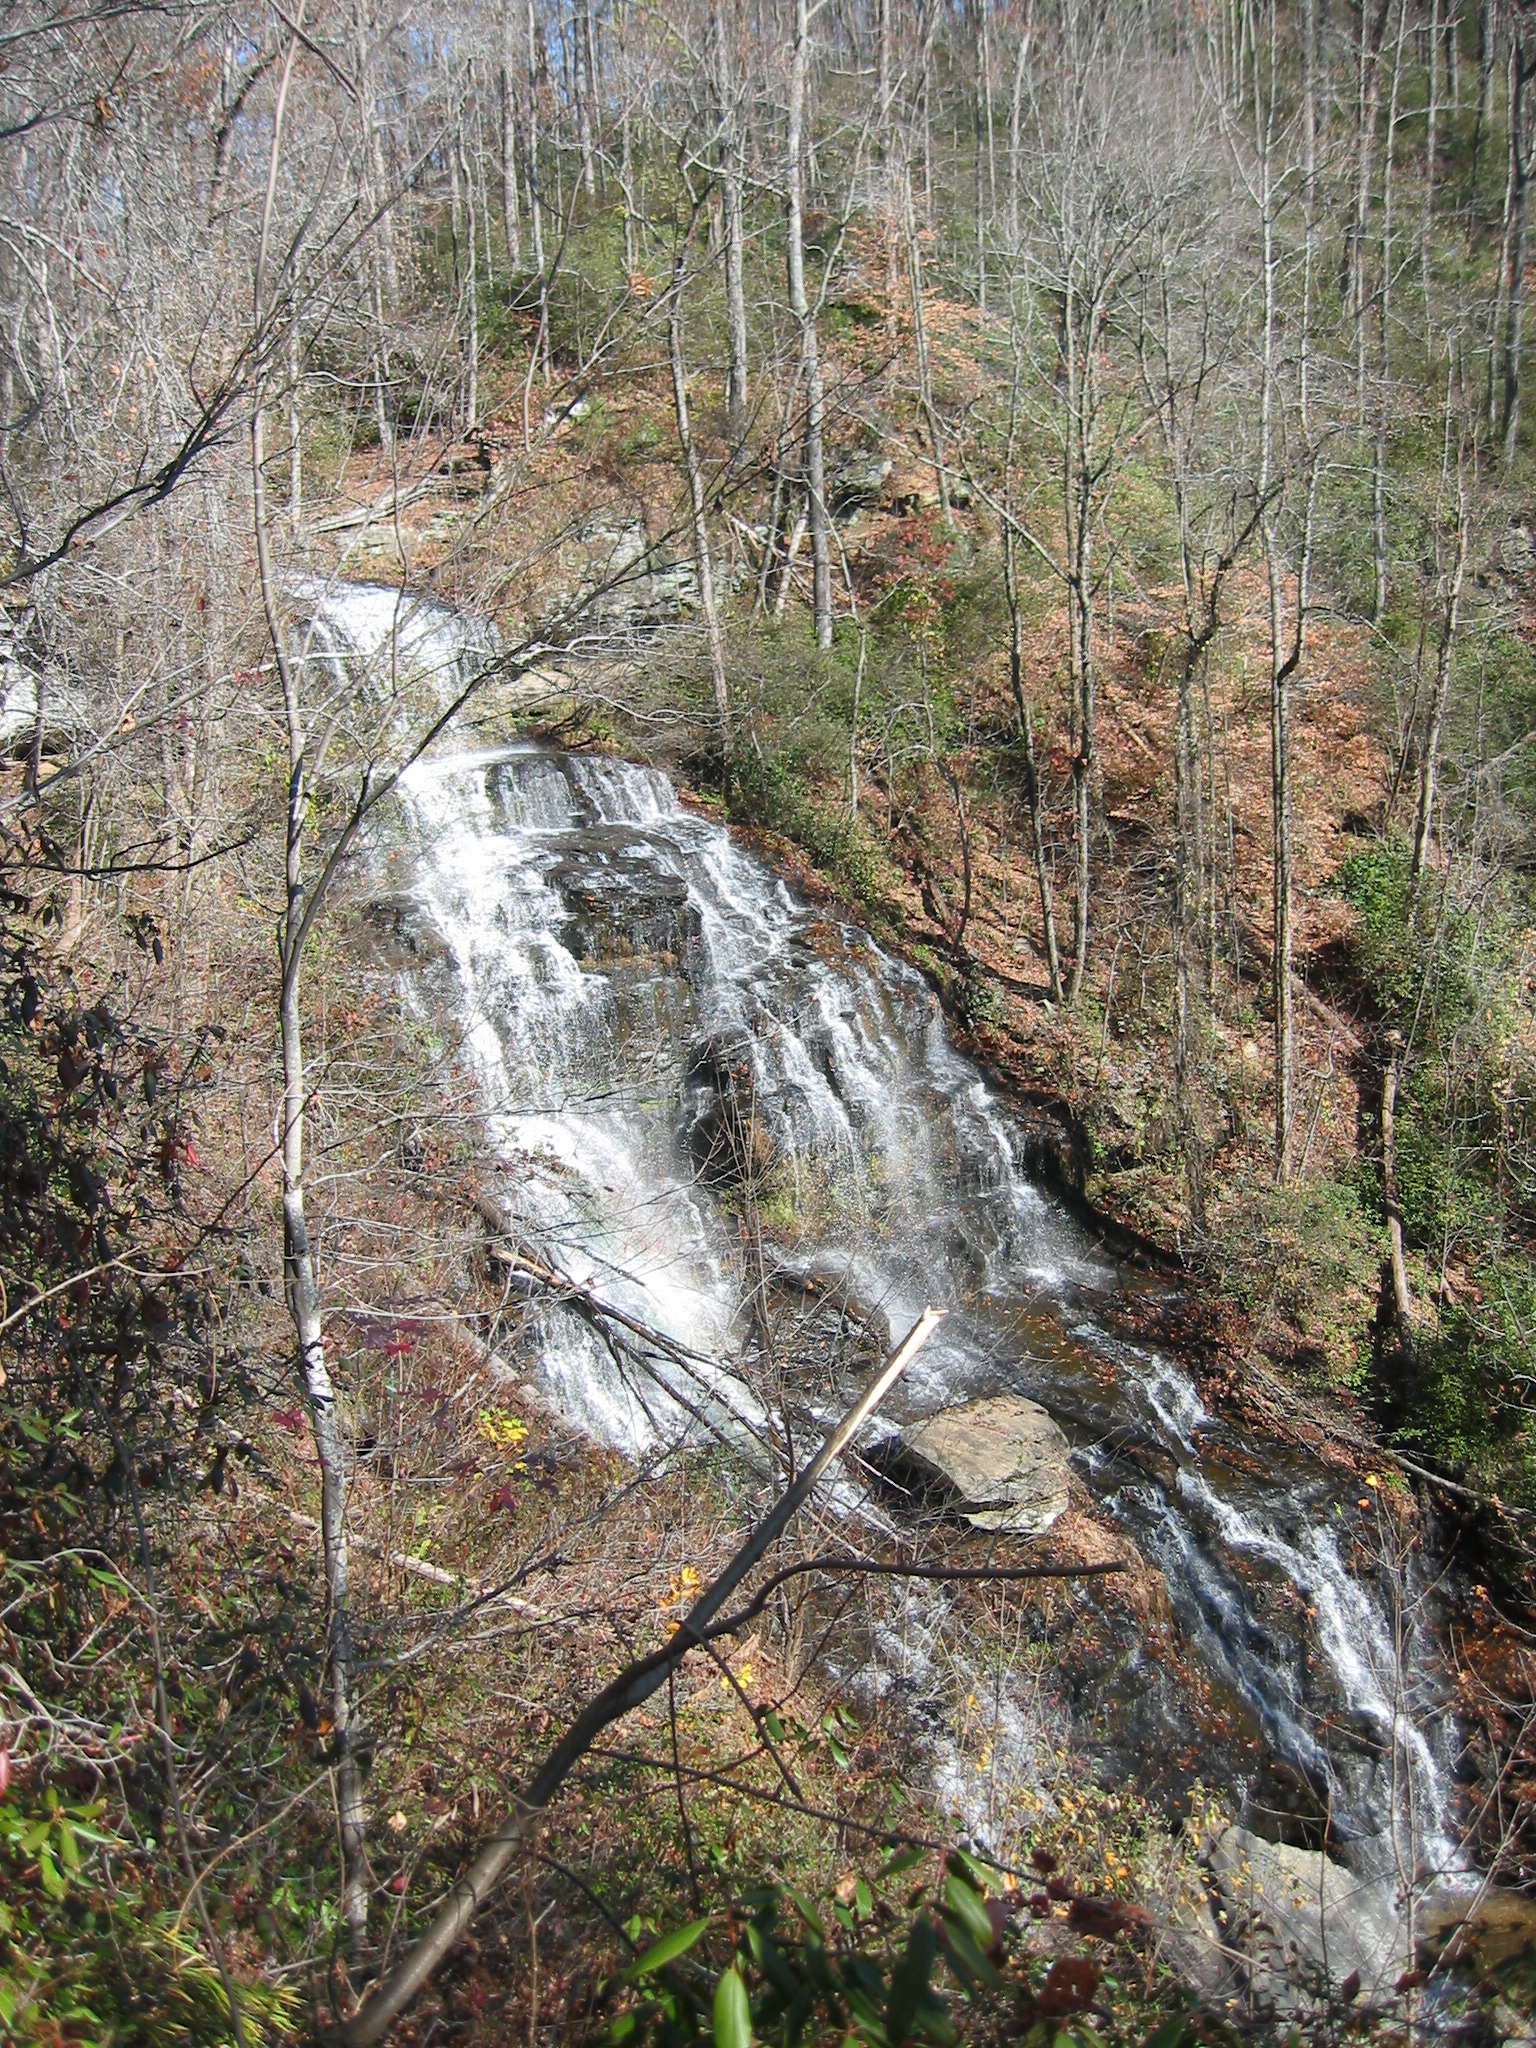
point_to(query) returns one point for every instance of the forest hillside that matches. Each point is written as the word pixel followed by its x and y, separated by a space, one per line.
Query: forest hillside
pixel 767 1022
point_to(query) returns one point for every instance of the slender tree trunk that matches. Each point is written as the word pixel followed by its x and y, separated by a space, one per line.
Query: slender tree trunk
pixel 594 112
pixel 1429 754
pixel 1431 145
pixel 1402 1300
pixel 1015 121
pixel 981 121
pixel 853 729
pixel 295 442
pixel 1283 663
pixel 1514 314
pixel 887 157
pixel 805 319
pixel 378 173
pixel 963 825
pixel 511 211
pixel 730 194
pixel 1188 839
pixel 791 551
pixel 1496 320
pixel 1384 395
pixel 1079 332
pixel 1309 102
pixel 300 1286
pixel 920 352
pixel 1082 763
pixel 1487 54
pixel 531 168
pixel 535 208
pixel 1031 771
pixel 1280 814
pixel 582 94
pixel 626 180
pixel 703 567
pixel 469 294
pixel 1367 112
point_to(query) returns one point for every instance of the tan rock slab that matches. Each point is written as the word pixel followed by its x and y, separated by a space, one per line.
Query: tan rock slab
pixel 1004 1459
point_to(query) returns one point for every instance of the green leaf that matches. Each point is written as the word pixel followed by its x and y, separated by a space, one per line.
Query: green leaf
pixel 1170 2033
pixel 69 1848
pixel 982 1878
pixel 966 1957
pixel 909 1981
pixel 863 1898
pixel 839 1754
pixel 963 1901
pixel 934 2025
pixel 733 2017
pixel 806 1910
pixel 902 1860
pixel 48 1870
pixel 774 1725
pixel 667 1950
pixel 796 2013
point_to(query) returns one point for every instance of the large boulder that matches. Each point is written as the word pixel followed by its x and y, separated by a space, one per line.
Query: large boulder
pixel 1004 1460
pixel 1306 1933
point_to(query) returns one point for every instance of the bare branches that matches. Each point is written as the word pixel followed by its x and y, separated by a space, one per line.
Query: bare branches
pixel 631 1688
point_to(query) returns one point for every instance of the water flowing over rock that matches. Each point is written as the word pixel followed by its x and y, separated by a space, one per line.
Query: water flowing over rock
pixel 1306 1934
pixel 727 1114
pixel 1005 1460
pixel 382 642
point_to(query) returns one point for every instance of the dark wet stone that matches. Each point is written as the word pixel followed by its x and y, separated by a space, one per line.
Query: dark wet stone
pixel 727 1127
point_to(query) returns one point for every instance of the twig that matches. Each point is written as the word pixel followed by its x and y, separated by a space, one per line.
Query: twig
pixel 416 1567
pixel 163 1717
pixel 631 1688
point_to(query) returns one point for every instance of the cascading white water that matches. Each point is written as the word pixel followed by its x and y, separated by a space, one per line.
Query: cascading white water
pixel 377 641
pixel 642 1003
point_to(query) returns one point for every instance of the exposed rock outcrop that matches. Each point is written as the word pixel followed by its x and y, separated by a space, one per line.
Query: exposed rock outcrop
pixel 1304 1932
pixel 1004 1460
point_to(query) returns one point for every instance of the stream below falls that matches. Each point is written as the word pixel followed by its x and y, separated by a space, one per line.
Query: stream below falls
pixel 652 1019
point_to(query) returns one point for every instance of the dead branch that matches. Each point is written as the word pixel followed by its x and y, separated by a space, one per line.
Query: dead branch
pixel 631 1688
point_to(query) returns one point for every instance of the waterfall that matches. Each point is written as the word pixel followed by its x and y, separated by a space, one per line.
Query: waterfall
pixel 381 641
pixel 650 1016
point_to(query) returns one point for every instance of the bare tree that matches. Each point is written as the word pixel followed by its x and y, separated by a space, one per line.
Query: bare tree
pixel 511 211
pixel 1086 208
pixel 1287 646
pixel 730 168
pixel 703 567
pixel 1186 336
pixel 805 320
pixel 1522 145
pixel 298 1264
